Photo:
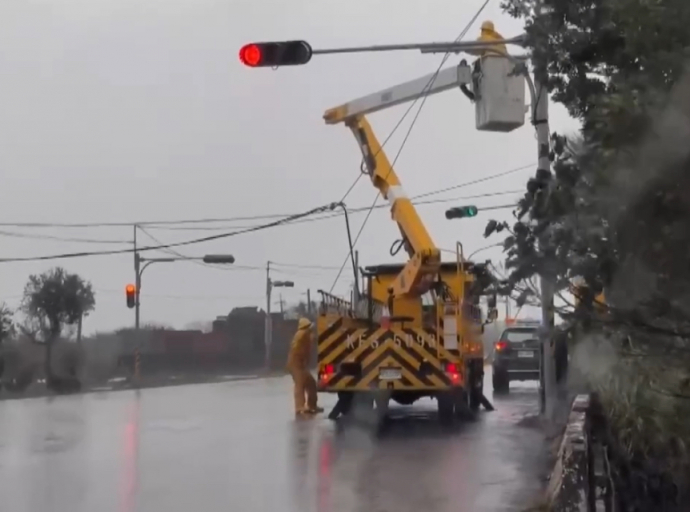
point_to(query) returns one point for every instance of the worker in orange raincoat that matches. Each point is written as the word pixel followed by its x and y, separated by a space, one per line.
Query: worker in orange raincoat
pixel 298 366
pixel 487 35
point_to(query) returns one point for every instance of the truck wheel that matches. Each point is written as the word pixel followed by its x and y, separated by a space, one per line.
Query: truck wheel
pixel 501 383
pixel 446 407
pixel 463 411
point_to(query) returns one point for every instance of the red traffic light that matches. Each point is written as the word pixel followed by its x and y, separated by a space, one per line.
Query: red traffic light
pixel 275 54
pixel 250 55
pixel 130 292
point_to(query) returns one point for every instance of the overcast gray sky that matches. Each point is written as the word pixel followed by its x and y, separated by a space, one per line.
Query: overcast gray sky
pixel 139 110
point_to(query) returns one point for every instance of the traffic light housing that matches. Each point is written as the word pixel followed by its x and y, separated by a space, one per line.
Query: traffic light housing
pixel 275 54
pixel 131 293
pixel 462 212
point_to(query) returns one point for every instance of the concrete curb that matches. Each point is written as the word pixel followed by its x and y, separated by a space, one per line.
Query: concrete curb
pixel 567 490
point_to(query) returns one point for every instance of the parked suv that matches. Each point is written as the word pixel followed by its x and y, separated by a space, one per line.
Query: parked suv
pixel 516 356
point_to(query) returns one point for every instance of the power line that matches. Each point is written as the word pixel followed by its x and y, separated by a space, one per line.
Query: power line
pixel 176 244
pixel 175 224
pixel 357 210
pixel 62 238
pixel 230 267
pixel 312 269
pixel 295 219
pixel 478 180
pixel 424 97
pixel 305 266
pixel 177 253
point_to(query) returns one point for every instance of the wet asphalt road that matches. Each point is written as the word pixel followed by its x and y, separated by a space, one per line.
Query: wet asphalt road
pixel 235 446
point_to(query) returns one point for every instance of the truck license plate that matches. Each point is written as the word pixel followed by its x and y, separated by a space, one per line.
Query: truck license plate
pixel 389 374
pixel 525 353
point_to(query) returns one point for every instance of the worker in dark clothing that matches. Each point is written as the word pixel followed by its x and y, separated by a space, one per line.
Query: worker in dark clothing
pixel 342 406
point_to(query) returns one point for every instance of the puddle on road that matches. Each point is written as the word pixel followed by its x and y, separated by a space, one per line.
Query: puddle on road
pixel 174 425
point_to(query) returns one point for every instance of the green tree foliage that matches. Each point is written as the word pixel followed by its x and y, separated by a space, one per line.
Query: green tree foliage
pixel 613 64
pixel 615 211
pixel 57 298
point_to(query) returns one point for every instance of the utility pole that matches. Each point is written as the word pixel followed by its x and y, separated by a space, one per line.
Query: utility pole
pixel 137 289
pixel 268 323
pixel 309 311
pixel 548 390
pixel 137 285
pixel 137 280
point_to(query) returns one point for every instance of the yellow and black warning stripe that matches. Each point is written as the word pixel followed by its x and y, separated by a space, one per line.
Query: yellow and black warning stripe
pixel 420 361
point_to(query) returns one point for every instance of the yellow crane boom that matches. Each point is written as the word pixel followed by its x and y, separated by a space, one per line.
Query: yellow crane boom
pixel 418 274
pixel 421 269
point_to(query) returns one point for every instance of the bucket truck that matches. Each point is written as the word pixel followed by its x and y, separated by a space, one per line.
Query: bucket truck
pixel 415 331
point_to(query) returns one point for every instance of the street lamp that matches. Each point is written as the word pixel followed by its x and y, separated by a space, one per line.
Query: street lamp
pixel 133 292
pixel 216 259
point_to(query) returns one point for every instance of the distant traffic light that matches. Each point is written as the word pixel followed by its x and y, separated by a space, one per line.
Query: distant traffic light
pixel 462 212
pixel 131 292
pixel 275 54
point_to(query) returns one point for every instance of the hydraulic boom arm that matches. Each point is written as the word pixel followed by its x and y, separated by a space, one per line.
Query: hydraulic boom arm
pixel 418 274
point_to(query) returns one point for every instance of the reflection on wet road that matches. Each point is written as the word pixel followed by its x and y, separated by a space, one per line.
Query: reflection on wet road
pixel 235 446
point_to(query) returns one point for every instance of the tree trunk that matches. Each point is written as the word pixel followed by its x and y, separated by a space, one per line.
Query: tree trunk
pixel 54 335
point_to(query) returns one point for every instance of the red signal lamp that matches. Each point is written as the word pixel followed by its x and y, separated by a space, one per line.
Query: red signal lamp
pixel 501 345
pixel 250 55
pixel 275 54
pixel 131 294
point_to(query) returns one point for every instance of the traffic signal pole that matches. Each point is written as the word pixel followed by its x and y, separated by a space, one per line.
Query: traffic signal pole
pixel 268 322
pixel 137 277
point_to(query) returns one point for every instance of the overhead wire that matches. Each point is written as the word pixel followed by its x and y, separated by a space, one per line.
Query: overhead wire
pixel 62 238
pixel 177 224
pixel 357 210
pixel 173 252
pixel 175 244
pixel 303 266
pixel 239 230
pixel 424 97
pixel 185 257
